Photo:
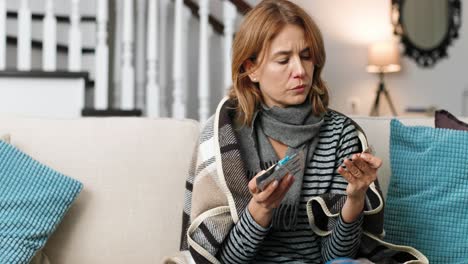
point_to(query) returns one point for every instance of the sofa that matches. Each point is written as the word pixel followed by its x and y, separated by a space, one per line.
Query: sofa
pixel 133 171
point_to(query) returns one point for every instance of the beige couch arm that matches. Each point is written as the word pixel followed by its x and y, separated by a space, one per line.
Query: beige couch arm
pixel 40 258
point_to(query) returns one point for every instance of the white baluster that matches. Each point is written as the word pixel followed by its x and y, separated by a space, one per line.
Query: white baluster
pixel 152 88
pixel 187 15
pixel 74 39
pixel 203 71
pixel 117 65
pixel 140 61
pixel 128 72
pixel 102 58
pixel 229 18
pixel 178 105
pixel 49 36
pixel 2 34
pixel 164 5
pixel 24 37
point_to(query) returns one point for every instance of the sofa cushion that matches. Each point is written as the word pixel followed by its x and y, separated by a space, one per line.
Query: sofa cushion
pixel 5 137
pixel 427 199
pixel 134 172
pixel 444 119
pixel 33 200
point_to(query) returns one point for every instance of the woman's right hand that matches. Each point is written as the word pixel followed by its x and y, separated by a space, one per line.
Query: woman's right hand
pixel 263 202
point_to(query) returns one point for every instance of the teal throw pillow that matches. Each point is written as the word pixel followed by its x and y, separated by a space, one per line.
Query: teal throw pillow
pixel 33 201
pixel 427 200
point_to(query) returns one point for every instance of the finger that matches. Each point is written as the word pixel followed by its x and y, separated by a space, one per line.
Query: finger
pixel 373 161
pixel 352 168
pixel 362 165
pixel 368 174
pixel 346 174
pixel 283 187
pixel 279 195
pixel 265 194
pixel 253 183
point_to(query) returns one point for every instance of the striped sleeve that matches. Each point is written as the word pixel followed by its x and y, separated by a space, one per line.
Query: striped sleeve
pixel 348 144
pixel 345 239
pixel 243 241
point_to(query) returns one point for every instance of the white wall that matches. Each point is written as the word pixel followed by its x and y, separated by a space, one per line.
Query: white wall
pixel 42 97
pixel 349 26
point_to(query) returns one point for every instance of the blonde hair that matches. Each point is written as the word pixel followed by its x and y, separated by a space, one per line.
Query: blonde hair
pixel 260 26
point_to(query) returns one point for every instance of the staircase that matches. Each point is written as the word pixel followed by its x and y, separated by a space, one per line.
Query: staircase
pixel 123 56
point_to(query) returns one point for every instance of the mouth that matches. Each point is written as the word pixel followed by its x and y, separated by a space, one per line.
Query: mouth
pixel 299 87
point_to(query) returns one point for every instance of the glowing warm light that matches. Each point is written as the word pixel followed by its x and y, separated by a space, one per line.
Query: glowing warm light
pixel 383 57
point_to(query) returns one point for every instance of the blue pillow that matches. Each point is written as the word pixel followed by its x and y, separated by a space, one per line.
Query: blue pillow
pixel 427 200
pixel 33 201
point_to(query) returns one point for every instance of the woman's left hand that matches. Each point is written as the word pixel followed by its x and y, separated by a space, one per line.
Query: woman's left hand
pixel 360 172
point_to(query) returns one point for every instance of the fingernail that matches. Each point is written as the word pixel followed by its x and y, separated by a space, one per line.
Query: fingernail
pixel 275 183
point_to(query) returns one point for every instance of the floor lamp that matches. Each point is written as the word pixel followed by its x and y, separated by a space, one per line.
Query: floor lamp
pixel 383 57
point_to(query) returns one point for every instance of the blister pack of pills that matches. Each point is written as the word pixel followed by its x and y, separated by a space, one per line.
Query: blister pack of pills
pixel 292 164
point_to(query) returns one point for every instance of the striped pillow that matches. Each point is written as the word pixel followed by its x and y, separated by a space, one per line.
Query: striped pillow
pixel 33 200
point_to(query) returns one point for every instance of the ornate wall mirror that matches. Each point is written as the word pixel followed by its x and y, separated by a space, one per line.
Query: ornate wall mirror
pixel 426 27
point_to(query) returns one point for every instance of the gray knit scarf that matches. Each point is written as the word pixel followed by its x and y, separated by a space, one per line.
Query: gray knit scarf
pixel 294 126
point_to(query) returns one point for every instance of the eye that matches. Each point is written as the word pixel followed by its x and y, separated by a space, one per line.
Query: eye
pixel 306 55
pixel 284 61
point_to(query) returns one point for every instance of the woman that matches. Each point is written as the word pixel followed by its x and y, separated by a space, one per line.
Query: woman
pixel 278 106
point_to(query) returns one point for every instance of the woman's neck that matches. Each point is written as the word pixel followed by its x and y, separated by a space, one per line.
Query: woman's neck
pixel 279 147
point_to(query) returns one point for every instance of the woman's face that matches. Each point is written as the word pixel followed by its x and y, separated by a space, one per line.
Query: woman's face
pixel 286 74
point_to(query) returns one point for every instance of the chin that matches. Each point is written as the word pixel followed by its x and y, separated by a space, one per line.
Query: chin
pixel 297 100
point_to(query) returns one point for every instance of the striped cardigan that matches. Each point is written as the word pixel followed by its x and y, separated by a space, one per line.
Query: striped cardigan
pixel 217 196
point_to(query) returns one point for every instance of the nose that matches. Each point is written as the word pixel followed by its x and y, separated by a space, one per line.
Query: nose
pixel 298 69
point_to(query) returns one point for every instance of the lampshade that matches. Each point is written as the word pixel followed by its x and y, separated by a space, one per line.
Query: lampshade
pixel 383 57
